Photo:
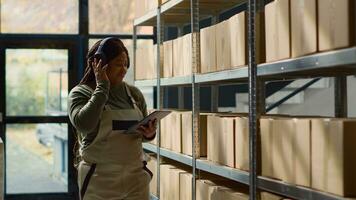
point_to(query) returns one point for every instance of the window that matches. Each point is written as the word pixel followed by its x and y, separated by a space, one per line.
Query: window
pixel 39 16
pixel 113 17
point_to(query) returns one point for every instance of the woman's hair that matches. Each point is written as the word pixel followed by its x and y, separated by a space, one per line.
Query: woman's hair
pixel 113 48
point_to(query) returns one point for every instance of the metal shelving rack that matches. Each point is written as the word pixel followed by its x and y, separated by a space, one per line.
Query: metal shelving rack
pixel 337 63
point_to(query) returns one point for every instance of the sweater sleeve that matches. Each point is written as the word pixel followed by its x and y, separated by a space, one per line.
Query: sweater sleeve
pixel 85 109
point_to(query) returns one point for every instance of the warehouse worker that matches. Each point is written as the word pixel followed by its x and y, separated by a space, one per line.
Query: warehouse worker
pixel 101 107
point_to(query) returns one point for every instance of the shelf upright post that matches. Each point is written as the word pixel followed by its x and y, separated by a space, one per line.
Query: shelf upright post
pixel 214 88
pixel 160 34
pixel 180 88
pixel 134 38
pixel 194 10
pixel 340 96
pixel 253 108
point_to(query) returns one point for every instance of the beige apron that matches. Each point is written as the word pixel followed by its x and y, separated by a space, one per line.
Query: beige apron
pixel 113 167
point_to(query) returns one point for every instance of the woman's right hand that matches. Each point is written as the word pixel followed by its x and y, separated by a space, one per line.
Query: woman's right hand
pixel 100 71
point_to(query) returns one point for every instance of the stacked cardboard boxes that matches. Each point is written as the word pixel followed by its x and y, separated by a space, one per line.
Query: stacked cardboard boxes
pixel 286 150
pixel 217 190
pixel 303 27
pixel 142 7
pixel 152 166
pixel 333 160
pixel 228 140
pixel 311 152
pixel 277 23
pixel 174 182
pixel 336 24
pixel 187 133
pixel 208 49
pixel 167 59
pixel 145 61
pixel 176 132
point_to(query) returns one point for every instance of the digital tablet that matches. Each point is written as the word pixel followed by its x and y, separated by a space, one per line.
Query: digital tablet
pixel 158 114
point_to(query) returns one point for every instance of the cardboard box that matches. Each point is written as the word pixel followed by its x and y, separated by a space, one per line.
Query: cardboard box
pixel 142 7
pixel 283 145
pixel 267 135
pixel 168 59
pixel 175 131
pixel 178 60
pixel 242 143
pixel 228 194
pixel 333 163
pixel 208 49
pixel 238 43
pixel 270 196
pixel 145 68
pixel 221 133
pixel 174 185
pixel 205 189
pixel 302 152
pixel 223 46
pixel 229 139
pixel 187 54
pixel 166 131
pixel 277 20
pixel 185 186
pixel 165 181
pixel 335 24
pixel 187 134
pixel 152 166
pixel 304 27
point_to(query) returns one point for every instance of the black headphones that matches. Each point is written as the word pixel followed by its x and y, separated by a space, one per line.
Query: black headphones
pixel 100 54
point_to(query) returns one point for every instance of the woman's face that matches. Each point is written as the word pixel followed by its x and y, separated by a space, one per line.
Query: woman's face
pixel 117 68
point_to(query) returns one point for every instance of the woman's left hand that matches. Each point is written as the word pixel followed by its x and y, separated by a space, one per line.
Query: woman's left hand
pixel 150 130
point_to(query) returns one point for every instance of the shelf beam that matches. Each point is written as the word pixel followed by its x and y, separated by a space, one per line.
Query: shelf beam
pixel 264 183
pixel 338 62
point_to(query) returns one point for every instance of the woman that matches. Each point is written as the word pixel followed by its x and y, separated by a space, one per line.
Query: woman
pixel 100 108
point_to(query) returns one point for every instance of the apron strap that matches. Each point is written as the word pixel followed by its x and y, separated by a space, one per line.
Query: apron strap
pixel 133 101
pixel 86 181
pixel 107 107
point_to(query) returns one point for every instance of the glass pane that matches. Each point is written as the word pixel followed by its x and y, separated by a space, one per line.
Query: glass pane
pixel 39 16
pixel 36 82
pixel 129 78
pixel 113 17
pixel 36 153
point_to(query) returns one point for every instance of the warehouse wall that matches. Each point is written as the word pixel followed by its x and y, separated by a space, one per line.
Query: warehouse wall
pixel 321 101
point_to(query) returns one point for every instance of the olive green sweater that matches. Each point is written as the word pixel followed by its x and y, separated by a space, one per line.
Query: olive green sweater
pixel 85 106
